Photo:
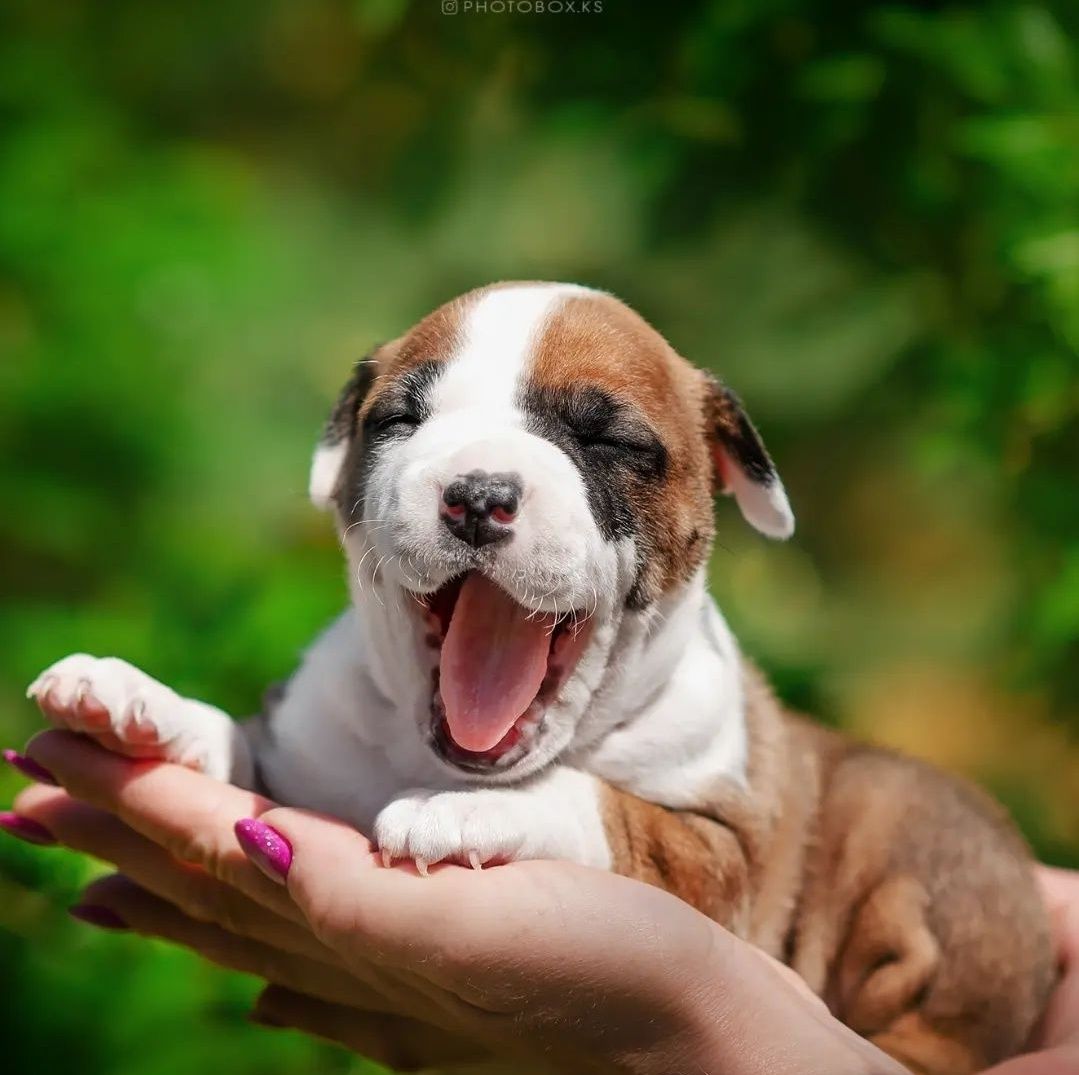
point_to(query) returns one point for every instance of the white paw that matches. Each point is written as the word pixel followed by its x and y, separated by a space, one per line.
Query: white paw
pixel 471 828
pixel 129 711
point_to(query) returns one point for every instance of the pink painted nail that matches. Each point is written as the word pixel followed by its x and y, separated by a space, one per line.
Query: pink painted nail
pixel 265 847
pixel 23 828
pixel 94 915
pixel 29 767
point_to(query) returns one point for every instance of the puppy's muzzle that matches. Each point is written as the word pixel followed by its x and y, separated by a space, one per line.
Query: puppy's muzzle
pixel 479 508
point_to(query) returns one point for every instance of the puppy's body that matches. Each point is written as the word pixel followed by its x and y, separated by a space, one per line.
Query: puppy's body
pixel 531 667
pixel 903 897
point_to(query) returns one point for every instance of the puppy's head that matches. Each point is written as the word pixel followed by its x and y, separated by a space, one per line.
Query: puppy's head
pixel 532 463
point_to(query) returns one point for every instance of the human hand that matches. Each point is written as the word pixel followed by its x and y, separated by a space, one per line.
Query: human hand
pixel 416 971
pixel 1056 1041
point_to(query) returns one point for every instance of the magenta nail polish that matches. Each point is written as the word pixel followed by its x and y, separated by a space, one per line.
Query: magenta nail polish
pixel 23 828
pixel 94 915
pixel 265 847
pixel 29 767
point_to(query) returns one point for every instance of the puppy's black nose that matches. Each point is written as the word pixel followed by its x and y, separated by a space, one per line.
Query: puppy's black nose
pixel 478 507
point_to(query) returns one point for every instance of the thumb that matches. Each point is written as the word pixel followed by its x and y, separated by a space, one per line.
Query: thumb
pixel 333 874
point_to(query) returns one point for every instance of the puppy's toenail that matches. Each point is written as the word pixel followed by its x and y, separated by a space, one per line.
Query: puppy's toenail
pixel 82 689
pixel 421 867
pixel 474 860
pixel 41 687
pixel 387 858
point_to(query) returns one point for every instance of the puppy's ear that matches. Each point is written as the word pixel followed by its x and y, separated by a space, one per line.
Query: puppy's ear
pixel 339 433
pixel 741 464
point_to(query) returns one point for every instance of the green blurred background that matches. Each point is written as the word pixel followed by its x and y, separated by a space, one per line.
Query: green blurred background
pixel 866 216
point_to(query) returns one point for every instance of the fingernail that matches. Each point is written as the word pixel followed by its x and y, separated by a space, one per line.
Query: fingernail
pixel 265 847
pixel 29 767
pixel 24 829
pixel 94 915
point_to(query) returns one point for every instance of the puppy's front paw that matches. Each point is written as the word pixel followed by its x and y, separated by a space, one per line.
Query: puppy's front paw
pixel 122 707
pixel 471 828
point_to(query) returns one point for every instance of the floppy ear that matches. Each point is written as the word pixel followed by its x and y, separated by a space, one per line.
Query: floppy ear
pixel 339 433
pixel 741 464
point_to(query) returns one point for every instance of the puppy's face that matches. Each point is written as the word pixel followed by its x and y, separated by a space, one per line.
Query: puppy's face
pixel 527 466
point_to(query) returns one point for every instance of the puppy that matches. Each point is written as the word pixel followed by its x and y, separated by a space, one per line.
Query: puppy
pixel 531 667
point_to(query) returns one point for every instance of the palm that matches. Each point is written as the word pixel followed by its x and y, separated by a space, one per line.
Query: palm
pixel 537 958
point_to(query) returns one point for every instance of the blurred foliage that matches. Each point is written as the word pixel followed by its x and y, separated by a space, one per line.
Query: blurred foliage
pixel 864 215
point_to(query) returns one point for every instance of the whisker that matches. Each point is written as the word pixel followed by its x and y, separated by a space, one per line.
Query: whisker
pixel 374 586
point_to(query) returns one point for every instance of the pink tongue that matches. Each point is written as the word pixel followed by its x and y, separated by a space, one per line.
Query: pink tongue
pixel 493 663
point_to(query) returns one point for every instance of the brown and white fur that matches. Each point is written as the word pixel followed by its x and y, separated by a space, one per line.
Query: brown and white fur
pixel 903 897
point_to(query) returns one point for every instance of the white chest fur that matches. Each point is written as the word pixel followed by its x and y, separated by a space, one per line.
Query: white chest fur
pixel 666 721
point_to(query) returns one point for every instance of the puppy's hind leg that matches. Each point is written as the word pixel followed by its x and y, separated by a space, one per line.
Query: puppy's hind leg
pixel 130 712
pixel 884 971
pixel 944 959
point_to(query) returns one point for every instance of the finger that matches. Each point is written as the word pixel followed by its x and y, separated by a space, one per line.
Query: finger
pixel 399 1043
pixel 1060 1024
pixel 188 814
pixel 1059 886
pixel 192 890
pixel 345 892
pixel 443 926
pixel 151 916
pixel 192 817
pixel 1060 889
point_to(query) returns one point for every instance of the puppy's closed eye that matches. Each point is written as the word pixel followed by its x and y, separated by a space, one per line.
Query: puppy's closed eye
pixel 394 421
pixel 404 404
pixel 612 432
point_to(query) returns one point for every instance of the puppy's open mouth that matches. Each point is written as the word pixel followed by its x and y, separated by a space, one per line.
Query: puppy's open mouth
pixel 500 665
